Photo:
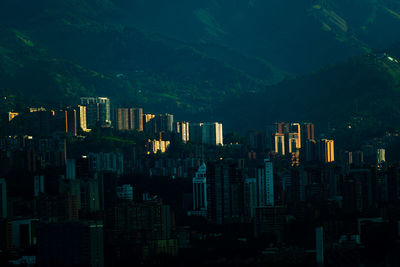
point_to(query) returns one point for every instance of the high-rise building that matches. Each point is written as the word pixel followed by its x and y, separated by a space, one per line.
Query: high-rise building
pixel 196 132
pixel 38 121
pixel 92 111
pixel 148 117
pixel 200 191
pixel 279 143
pixel 122 119
pixel 295 133
pixel 182 129
pixel 293 142
pixel 104 110
pixel 225 192
pixel 286 137
pixel 326 150
pixel 212 133
pixel 59 121
pixel 165 123
pixel 128 119
pixel 71 244
pixel 3 198
pixel 311 150
pixel 137 119
pixel 81 117
pixel 380 156
pixel 250 198
pixel 147 123
pixel 265 185
pixel 358 158
pixel 97 111
pixel 307 132
pixel 281 127
pixel 157 145
pixel 72 121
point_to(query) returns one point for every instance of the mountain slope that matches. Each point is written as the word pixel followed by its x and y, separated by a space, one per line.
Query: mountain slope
pixel 358 98
pixel 154 69
pixel 296 36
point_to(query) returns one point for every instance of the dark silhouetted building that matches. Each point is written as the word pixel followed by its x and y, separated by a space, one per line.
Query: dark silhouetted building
pixel 71 244
pixel 225 185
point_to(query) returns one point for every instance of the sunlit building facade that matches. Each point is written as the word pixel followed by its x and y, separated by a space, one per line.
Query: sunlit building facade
pixel 212 133
pixel 326 150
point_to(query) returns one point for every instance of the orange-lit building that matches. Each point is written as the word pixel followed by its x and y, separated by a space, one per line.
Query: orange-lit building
pixel 128 119
pixel 12 115
pixel 279 143
pixel 326 150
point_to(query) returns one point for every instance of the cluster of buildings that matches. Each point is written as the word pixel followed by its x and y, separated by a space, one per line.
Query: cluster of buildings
pixel 94 112
pixel 61 205
pixel 288 139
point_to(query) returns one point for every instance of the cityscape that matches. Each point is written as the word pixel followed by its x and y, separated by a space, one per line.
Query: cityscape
pixel 100 185
pixel 240 133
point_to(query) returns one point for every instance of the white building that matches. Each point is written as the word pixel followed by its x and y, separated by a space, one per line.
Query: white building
pixel 200 192
pixel 212 133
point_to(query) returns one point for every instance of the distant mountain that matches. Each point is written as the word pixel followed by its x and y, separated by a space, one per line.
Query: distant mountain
pixel 297 36
pixel 196 58
pixel 86 44
pixel 356 99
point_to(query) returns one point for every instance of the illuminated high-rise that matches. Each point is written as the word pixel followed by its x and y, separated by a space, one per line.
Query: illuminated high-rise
pixel 80 117
pixel 380 156
pixel 279 143
pixel 137 119
pixel 212 133
pixel 182 129
pixel 307 132
pixel 98 110
pixel 326 150
pixel 128 119
pixel 122 119
pixel 148 123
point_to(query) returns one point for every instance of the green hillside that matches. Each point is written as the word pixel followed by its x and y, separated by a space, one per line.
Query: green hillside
pixel 66 49
pixel 297 36
pixel 196 58
pixel 359 97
